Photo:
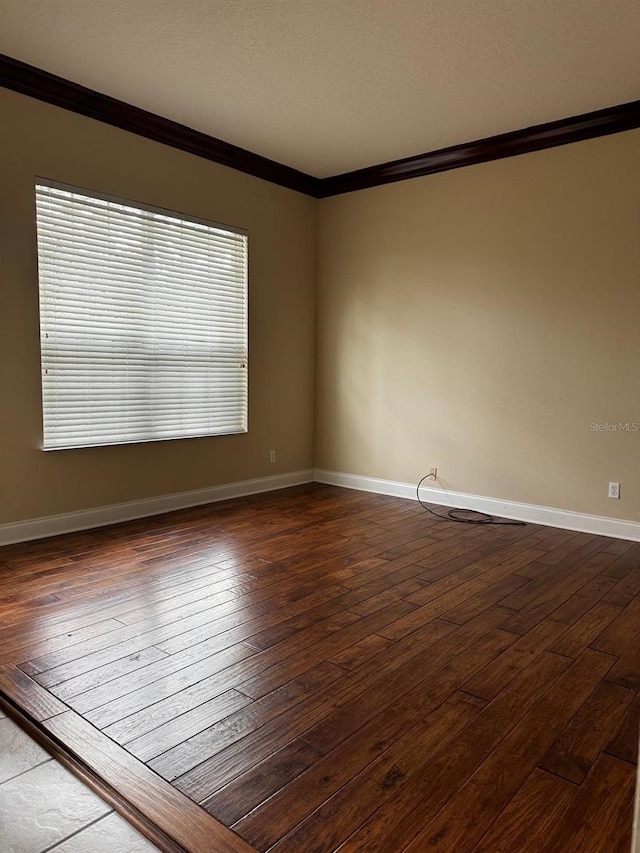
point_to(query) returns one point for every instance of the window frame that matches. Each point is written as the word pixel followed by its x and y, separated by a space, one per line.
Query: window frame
pixel 41 182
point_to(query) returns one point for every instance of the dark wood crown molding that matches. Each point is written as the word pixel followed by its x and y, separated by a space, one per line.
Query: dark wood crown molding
pixel 39 84
pixel 536 138
pixel 47 87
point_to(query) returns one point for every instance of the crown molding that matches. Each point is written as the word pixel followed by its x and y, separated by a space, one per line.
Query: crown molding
pixel 535 138
pixel 47 87
pixel 32 81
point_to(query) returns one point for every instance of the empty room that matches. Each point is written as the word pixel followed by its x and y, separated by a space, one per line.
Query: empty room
pixel 320 436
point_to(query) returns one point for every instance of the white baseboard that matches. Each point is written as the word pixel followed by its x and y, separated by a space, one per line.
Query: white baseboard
pixel 550 516
pixel 53 525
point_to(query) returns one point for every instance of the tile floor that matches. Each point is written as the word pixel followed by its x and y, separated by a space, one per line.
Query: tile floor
pixel 44 807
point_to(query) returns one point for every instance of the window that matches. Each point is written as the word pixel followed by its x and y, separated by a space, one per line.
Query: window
pixel 143 322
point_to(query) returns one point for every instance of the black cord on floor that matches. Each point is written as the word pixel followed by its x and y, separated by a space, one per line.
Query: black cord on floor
pixel 471 516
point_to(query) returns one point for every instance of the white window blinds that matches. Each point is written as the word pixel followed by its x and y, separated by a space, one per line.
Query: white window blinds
pixel 143 321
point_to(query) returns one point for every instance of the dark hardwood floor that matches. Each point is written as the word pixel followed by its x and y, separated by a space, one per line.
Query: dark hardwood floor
pixel 325 670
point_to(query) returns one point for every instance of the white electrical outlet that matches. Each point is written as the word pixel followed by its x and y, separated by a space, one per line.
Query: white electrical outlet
pixel 614 490
pixel 433 472
pixel 272 456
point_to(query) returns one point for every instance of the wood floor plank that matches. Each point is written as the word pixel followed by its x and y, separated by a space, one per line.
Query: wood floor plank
pixel 61 666
pixel 108 672
pixel 573 550
pixel 29 696
pixel 557 537
pixel 82 634
pixel 531 816
pixel 275 675
pixel 476 577
pixel 353 656
pixel 274 614
pixel 624 743
pixel 253 787
pixel 618 636
pixel 594 821
pixel 619 546
pixel 191 752
pixel 224 765
pixel 585 629
pixel 625 590
pixel 488 682
pixel 233 636
pixel 628 556
pixel 377 782
pixel 390 808
pixel 576 749
pixel 169 722
pixel 565 589
pixel 470 548
pixel 627 671
pixel 493 593
pixel 182 669
pixel 325 669
pixel 460 824
pixel 373 689
pixel 296 801
pixel 200 725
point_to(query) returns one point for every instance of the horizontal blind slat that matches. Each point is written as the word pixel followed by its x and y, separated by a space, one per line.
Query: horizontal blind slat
pixel 143 322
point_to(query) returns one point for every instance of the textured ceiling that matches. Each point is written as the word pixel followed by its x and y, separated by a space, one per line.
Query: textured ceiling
pixel 328 86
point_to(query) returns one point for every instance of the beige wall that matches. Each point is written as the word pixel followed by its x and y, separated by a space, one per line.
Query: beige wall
pixel 480 320
pixel 38 139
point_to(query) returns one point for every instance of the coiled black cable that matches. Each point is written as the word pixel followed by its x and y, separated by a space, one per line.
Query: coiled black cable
pixel 454 514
